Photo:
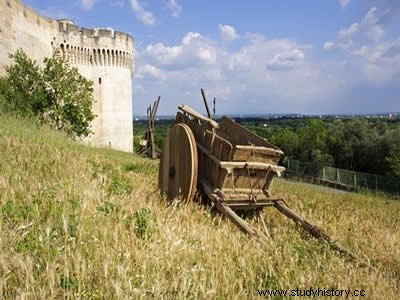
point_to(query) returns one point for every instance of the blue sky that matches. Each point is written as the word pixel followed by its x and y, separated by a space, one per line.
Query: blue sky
pixel 303 56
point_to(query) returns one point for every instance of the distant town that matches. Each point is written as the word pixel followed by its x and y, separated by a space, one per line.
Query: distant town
pixel 386 115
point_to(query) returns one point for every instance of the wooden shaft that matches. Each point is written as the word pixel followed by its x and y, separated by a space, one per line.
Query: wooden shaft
pixel 214 108
pixel 155 108
pixel 317 232
pixel 205 102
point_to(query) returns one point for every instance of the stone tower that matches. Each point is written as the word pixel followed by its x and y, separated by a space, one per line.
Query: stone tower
pixel 104 56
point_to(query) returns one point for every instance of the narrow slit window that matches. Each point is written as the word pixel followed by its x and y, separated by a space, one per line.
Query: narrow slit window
pixel 99 80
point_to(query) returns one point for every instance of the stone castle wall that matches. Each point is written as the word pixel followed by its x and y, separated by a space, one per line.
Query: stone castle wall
pixel 104 56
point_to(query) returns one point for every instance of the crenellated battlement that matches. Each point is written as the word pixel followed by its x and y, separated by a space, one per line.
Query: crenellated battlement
pixel 16 7
pixel 95 47
pixel 89 56
pixel 79 45
pixel 104 56
pixel 96 36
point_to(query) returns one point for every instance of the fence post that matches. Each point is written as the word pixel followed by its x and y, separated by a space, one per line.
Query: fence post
pixel 355 179
pixel 337 175
pixel 323 173
pixel 376 184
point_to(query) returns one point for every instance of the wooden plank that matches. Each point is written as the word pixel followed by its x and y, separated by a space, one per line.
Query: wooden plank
pixel 195 114
pixel 240 135
pixel 252 165
pixel 257 154
pixel 230 164
pixel 260 149
pixel 244 191
pixel 247 205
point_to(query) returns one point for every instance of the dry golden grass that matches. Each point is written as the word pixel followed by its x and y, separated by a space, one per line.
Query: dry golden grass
pixel 79 222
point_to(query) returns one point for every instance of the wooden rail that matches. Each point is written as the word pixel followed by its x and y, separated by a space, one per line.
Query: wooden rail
pixel 186 109
pixel 237 164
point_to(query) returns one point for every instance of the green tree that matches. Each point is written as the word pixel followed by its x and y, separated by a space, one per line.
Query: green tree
pixel 69 96
pixel 287 140
pixel 394 161
pixel 22 87
pixel 313 141
pixel 56 94
pixel 391 142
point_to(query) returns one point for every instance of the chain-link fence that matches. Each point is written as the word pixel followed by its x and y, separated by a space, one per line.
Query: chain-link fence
pixel 340 178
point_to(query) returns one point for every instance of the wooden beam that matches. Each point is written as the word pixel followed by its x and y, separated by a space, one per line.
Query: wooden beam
pixel 247 205
pixel 234 164
pixel 317 232
pixel 261 149
pixel 195 114
pixel 226 210
pixel 155 108
pixel 205 103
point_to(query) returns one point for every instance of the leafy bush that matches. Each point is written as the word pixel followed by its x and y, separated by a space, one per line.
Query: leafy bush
pixel 55 94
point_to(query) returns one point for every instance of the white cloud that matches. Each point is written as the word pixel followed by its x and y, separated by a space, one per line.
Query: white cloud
pixel 260 74
pixel 145 16
pixel 286 60
pixel 175 7
pixel 370 17
pixel 368 28
pixel 187 39
pixel 88 4
pixel 151 71
pixel 228 32
pixel 193 50
pixel 329 45
pixel 365 48
pixel 234 77
pixel 349 31
pixel 344 3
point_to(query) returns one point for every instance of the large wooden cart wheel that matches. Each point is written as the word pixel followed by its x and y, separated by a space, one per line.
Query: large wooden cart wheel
pixel 177 176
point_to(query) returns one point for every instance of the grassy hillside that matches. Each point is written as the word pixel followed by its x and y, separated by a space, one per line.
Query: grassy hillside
pixel 84 222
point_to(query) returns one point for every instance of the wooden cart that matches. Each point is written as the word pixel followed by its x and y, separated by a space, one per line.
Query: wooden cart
pixel 235 168
pixel 232 166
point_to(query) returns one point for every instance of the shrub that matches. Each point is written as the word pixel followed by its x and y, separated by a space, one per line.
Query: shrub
pixel 56 94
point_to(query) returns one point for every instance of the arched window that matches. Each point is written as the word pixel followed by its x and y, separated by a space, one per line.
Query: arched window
pixel 99 57
pixel 94 57
pixel 67 53
pixel 62 50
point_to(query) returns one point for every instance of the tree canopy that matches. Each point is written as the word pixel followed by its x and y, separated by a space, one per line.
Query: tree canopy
pixel 56 94
pixel 371 146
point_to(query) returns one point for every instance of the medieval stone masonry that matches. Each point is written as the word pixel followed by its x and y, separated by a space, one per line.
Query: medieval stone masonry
pixel 104 56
